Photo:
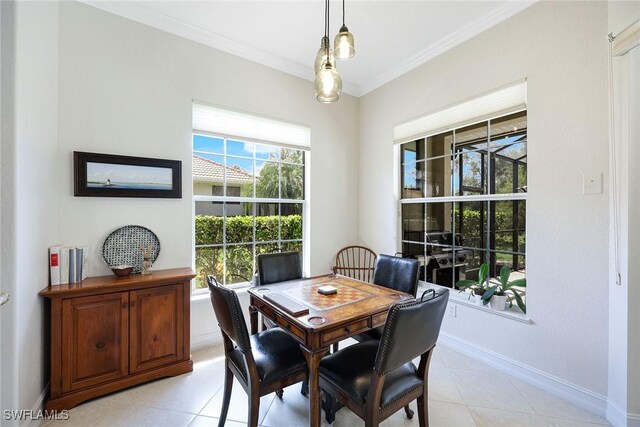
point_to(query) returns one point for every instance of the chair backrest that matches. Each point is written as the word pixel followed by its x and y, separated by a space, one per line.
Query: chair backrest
pixel 400 274
pixel 229 314
pixel 356 262
pixel 279 267
pixel 411 329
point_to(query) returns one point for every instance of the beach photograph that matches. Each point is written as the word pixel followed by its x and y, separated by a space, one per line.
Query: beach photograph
pixel 117 176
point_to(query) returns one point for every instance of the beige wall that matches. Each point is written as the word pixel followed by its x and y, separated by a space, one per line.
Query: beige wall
pixel 127 89
pixel 29 194
pixel 624 335
pixel 560 48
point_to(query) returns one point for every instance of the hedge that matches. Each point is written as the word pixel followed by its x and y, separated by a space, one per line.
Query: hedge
pixel 209 231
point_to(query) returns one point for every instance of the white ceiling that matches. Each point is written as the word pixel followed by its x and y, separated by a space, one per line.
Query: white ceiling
pixel 391 37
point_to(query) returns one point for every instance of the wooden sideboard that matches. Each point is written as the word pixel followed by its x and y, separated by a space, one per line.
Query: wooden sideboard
pixel 109 333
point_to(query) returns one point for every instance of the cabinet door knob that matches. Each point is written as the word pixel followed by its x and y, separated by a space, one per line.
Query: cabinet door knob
pixel 124 305
pixel 100 345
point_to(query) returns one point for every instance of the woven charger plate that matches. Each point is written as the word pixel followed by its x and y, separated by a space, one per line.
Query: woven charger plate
pixel 123 246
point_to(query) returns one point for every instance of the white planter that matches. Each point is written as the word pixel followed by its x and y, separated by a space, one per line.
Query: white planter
pixel 477 299
pixel 498 302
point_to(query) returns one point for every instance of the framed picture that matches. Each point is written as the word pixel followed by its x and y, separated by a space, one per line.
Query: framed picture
pixel 108 175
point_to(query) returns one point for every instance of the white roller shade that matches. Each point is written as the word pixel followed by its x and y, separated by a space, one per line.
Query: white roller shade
pixel 242 125
pixel 502 101
pixel 628 39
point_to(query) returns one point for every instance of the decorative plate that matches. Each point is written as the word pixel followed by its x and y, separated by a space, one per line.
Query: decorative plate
pixel 124 246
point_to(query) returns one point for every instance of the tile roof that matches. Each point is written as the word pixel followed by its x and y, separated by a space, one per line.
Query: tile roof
pixel 205 170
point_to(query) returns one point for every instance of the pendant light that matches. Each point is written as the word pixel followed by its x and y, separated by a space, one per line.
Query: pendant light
pixel 344 41
pixel 327 83
pixel 322 56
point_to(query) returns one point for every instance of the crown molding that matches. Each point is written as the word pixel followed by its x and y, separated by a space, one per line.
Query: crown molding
pixel 462 35
pixel 137 12
pixel 151 18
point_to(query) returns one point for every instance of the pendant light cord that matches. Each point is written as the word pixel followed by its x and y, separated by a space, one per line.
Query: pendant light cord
pixel 343 12
pixel 614 171
pixel 326 18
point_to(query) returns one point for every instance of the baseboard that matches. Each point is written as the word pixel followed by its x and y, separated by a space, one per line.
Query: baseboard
pixel 36 408
pixel 206 340
pixel 618 417
pixel 573 393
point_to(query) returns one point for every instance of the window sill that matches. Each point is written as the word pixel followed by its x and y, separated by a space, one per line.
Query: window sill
pixel 462 299
pixel 203 294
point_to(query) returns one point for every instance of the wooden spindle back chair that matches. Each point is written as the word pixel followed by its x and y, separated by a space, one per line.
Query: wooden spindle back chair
pixel 357 262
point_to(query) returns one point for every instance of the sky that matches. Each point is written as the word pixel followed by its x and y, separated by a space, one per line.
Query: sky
pixel 213 149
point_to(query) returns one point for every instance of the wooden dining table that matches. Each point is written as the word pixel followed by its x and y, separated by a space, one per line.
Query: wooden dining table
pixel 325 319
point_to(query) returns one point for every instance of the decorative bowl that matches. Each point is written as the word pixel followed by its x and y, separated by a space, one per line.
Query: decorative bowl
pixel 122 270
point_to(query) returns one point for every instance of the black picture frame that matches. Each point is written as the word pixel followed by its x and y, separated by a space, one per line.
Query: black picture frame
pixel 164 181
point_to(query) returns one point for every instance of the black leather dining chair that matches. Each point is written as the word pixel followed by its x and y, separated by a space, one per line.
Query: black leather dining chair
pixel 278 267
pixel 262 363
pixel 375 379
pixel 396 273
pixel 274 268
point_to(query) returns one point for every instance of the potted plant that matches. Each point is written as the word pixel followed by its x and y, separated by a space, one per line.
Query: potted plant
pixel 496 295
pixel 478 287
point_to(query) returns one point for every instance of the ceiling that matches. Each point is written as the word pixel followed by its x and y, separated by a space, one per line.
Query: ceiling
pixel 391 37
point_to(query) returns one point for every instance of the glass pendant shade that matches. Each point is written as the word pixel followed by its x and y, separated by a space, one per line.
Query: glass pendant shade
pixel 322 57
pixel 344 44
pixel 328 84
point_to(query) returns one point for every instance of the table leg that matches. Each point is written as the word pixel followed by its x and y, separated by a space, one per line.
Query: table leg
pixel 313 361
pixel 253 317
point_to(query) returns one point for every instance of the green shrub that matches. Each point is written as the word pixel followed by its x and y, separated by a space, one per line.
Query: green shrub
pixel 209 231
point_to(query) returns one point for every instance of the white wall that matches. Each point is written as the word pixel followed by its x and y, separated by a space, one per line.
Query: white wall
pixel 127 89
pixel 29 199
pixel 560 48
pixel 624 335
pixel 8 393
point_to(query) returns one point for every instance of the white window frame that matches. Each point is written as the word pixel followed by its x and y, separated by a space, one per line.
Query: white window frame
pixel 453 198
pixel 253 200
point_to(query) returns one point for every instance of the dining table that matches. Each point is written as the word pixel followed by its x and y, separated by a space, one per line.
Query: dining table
pixel 317 320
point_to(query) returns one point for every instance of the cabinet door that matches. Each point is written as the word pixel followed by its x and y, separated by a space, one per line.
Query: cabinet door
pixel 157 327
pixel 94 340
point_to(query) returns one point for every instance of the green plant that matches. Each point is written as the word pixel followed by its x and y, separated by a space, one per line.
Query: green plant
pixel 478 287
pixel 505 287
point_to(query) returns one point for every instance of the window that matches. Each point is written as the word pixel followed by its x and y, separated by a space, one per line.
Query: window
pixel 463 199
pixel 249 199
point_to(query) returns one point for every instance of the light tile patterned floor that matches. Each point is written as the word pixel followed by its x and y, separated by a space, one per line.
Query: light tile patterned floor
pixel 460 395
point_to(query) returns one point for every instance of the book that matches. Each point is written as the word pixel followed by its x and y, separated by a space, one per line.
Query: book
pixel 54 264
pixel 64 265
pixel 73 266
pixel 85 263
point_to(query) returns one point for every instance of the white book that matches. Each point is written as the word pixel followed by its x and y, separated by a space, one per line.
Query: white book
pixel 64 265
pixel 85 262
pixel 54 264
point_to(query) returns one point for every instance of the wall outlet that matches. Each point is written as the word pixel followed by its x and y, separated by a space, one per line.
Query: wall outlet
pixel 592 183
pixel 452 310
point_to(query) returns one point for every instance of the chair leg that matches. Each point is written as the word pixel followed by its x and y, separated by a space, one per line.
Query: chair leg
pixel 280 393
pixel 254 408
pixel 409 412
pixel 226 397
pixel 335 347
pixel 304 390
pixel 330 406
pixel 423 411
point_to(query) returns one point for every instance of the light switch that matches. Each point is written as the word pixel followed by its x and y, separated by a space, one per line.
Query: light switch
pixel 592 183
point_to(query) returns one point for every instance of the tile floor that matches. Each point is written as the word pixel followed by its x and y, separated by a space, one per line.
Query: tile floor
pixel 461 395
